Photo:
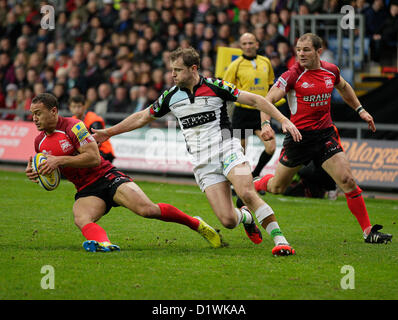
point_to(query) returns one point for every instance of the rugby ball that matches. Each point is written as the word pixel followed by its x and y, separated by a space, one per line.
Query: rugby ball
pixel 49 181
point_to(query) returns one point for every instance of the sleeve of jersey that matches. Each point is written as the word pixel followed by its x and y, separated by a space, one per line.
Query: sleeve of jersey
pixel 160 107
pixel 80 135
pixel 226 90
pixel 285 81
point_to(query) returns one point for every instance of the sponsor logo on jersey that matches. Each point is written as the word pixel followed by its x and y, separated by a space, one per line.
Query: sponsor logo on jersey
pixel 80 131
pixel 328 82
pixel 318 99
pixel 197 119
pixel 306 85
pixel 65 145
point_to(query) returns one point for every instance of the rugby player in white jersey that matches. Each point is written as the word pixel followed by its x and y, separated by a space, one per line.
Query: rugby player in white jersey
pixel 200 106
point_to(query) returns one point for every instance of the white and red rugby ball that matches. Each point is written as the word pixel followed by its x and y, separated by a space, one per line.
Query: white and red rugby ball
pixel 50 181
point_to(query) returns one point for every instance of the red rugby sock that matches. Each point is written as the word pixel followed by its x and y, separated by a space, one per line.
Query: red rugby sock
pixel 262 183
pixel 357 206
pixel 93 231
pixel 172 214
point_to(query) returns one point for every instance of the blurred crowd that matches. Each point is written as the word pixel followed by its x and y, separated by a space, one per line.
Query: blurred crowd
pixel 115 52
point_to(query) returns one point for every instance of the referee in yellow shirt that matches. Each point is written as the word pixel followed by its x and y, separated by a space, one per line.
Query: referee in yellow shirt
pixel 253 73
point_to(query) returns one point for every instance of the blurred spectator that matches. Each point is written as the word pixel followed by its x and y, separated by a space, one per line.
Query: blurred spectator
pixel 76 30
pixel 59 92
pixel 108 15
pixel 124 22
pixel 20 77
pixel 277 64
pixel 10 101
pixel 390 27
pixel 49 79
pixel 260 5
pixel 91 98
pixel 285 53
pixel 76 80
pixel 375 16
pixel 61 30
pixel 104 98
pixel 327 54
pixel 314 6
pixel 119 103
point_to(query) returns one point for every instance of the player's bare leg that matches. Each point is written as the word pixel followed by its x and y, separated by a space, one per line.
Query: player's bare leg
pixel 133 198
pixel 279 181
pixel 240 176
pixel 87 211
pixel 338 167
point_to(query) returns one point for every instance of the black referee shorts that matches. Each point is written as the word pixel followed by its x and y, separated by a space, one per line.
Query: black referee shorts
pixel 105 188
pixel 245 121
pixel 316 145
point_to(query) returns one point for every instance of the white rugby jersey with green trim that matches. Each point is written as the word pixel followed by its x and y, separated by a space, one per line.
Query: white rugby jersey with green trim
pixel 202 115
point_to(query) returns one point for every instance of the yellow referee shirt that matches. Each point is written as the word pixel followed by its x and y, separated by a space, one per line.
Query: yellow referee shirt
pixel 255 75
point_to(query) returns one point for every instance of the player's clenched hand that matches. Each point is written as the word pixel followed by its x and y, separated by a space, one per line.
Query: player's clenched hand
pixel 30 173
pixel 288 126
pixel 267 133
pixel 48 166
pixel 100 135
pixel 365 116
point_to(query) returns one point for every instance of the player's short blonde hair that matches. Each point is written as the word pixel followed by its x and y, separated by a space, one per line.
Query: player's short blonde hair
pixel 189 55
pixel 315 40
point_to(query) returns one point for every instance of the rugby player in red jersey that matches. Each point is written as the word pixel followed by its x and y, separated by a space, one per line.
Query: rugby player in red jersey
pixel 100 186
pixel 308 85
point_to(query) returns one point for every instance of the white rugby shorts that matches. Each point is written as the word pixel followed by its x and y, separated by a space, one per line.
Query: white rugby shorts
pixel 214 166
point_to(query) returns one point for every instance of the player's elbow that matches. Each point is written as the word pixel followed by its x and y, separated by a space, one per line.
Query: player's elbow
pixel 96 160
pixel 93 159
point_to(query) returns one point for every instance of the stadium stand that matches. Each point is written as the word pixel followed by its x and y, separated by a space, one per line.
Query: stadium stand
pixel 116 52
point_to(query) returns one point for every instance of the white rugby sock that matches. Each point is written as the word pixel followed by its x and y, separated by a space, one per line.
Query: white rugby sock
pixel 263 212
pixel 276 234
pixel 243 216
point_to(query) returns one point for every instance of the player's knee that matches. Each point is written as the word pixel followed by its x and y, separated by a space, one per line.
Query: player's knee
pixel 229 222
pixel 248 196
pixel 277 189
pixel 150 211
pixel 80 221
pixel 348 182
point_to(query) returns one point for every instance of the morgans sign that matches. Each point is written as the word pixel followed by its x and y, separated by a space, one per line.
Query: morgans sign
pixel 374 163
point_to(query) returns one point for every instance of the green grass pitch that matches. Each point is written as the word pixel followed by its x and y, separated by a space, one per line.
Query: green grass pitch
pixel 167 261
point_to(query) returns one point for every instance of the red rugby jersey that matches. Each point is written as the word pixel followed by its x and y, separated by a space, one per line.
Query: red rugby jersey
pixel 309 94
pixel 68 136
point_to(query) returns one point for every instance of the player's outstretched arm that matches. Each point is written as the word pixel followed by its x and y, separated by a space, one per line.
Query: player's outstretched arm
pixel 264 105
pixel 132 122
pixel 349 97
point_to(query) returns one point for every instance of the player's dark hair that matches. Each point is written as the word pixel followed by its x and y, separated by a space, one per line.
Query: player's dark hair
pixel 315 40
pixel 189 55
pixel 49 100
pixel 77 99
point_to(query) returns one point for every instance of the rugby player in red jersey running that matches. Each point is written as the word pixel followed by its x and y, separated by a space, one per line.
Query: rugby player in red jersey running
pixel 100 186
pixel 309 84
